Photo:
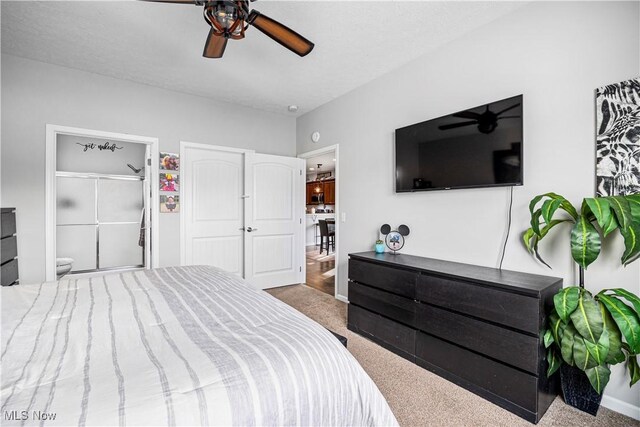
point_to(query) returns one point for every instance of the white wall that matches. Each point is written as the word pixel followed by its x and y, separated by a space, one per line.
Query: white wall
pixel 555 54
pixel 35 93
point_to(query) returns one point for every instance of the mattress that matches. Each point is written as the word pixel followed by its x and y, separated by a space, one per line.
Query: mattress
pixel 174 346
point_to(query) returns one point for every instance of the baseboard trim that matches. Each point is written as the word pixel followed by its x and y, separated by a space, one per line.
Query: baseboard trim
pixel 622 407
pixel 342 298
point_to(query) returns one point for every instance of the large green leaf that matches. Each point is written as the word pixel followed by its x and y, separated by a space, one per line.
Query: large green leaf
pixel 634 370
pixel 585 242
pixel 548 338
pixel 587 318
pixel 549 207
pixel 598 377
pixel 543 232
pixel 634 205
pixel 566 301
pixel 531 240
pixel 566 345
pixel 600 350
pixel 615 338
pixel 631 235
pixel 528 239
pixel 611 225
pixel 557 326
pixel 625 318
pixel 535 221
pixel 553 361
pixel 621 209
pixel 601 209
pixel 581 355
pixel 633 299
pixel 564 203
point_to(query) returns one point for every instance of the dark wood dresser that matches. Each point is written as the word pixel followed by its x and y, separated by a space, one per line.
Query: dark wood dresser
pixel 478 327
pixel 8 247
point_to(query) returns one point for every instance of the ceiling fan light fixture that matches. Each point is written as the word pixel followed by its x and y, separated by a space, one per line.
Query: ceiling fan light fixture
pixel 225 14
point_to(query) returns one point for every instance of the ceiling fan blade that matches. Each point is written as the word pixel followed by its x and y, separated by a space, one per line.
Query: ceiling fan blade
pixel 215 46
pixel 508 108
pixel 280 33
pixel 466 115
pixel 458 125
pixel 509 117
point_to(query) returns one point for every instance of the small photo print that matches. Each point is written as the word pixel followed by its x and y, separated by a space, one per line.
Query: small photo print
pixel 169 203
pixel 169 182
pixel 169 161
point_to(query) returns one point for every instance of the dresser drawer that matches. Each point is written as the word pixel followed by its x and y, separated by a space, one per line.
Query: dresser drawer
pixel 394 280
pixel 8 249
pixel 7 224
pixel 503 307
pixel 488 377
pixel 394 336
pixel 398 308
pixel 514 348
pixel 9 273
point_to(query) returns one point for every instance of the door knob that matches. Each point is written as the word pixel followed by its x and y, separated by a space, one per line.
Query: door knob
pixel 249 229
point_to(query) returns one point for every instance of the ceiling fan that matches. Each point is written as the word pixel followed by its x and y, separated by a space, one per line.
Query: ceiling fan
pixel 487 121
pixel 230 19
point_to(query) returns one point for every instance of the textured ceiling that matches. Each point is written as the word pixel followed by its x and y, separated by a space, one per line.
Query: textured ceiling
pixel 161 44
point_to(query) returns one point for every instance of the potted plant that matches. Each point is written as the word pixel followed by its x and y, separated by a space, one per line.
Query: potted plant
pixel 379 246
pixel 585 333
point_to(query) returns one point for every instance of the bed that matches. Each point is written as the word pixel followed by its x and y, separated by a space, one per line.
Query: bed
pixel 174 346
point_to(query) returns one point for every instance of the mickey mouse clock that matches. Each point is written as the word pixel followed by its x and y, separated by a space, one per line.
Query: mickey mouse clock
pixel 394 239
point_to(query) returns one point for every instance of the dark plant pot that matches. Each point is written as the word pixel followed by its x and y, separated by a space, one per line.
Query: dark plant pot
pixel 577 390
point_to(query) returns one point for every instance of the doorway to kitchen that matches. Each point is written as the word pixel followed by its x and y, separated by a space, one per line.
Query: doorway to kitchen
pixel 321 226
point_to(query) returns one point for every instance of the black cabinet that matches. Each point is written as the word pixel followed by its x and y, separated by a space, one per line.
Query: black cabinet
pixel 478 327
pixel 8 247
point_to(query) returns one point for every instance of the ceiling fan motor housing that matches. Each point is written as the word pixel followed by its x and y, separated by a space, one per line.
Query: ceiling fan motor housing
pixel 229 19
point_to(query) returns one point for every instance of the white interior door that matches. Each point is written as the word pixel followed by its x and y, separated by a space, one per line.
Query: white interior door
pixel 212 206
pixel 274 236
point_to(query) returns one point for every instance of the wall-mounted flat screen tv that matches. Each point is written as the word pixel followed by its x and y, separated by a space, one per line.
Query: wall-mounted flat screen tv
pixel 476 147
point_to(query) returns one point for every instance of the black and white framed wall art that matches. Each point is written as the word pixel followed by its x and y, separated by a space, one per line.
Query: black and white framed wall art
pixel 618 138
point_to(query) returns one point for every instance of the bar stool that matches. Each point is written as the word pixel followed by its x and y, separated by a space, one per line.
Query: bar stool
pixel 329 235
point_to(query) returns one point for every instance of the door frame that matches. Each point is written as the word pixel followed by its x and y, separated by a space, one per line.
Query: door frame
pixel 336 150
pixel 184 206
pixel 52 132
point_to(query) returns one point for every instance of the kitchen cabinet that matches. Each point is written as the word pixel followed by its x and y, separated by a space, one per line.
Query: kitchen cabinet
pixel 317 192
pixel 330 192
pixel 310 187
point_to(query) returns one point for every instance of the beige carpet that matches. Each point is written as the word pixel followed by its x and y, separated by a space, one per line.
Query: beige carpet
pixel 416 396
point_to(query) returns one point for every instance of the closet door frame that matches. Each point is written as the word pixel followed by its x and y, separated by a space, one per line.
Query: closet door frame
pixel 151 198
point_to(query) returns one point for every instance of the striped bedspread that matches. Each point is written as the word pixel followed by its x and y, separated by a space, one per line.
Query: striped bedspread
pixel 174 346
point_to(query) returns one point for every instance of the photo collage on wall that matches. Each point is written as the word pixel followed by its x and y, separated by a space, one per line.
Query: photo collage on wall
pixel 169 183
